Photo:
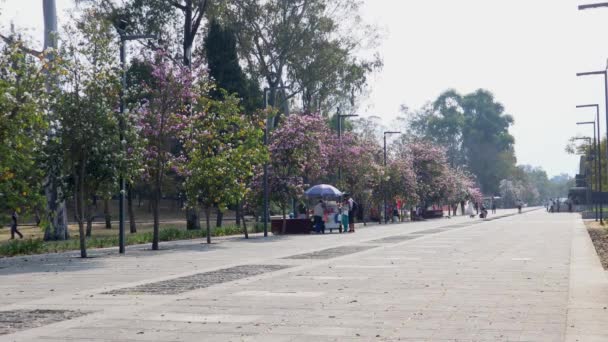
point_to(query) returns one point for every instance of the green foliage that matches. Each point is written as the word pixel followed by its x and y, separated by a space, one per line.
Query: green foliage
pixel 474 129
pixel 38 246
pixel 225 70
pixel 22 129
pixel 22 247
pixel 223 148
pixel 311 45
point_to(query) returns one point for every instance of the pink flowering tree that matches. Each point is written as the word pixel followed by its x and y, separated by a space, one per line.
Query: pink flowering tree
pixel 299 154
pixel 360 160
pixel 461 187
pixel 162 118
pixel 432 172
pixel 401 182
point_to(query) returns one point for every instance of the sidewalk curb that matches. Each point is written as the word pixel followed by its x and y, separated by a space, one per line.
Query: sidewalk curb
pixel 587 318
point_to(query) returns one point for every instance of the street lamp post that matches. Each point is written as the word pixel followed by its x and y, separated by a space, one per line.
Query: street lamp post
pixel 123 65
pixel 340 116
pixel 588 139
pixel 383 178
pixel 599 137
pixel 598 178
pixel 592 6
pixel 266 215
pixel 595 159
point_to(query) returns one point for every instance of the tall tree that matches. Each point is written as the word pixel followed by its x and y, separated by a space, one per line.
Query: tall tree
pixel 474 130
pixel 308 46
pixel 486 140
pixel 225 69
pixel 86 111
pixel 57 218
pixel 443 123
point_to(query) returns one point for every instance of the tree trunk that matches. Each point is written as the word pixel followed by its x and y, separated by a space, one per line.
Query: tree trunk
pixel 284 227
pixel 56 210
pixel 132 224
pixel 193 221
pixel 155 232
pixel 80 211
pixel 187 45
pixel 207 219
pixel 106 213
pixel 238 214
pixel 219 218
pixel 90 217
pixel 57 215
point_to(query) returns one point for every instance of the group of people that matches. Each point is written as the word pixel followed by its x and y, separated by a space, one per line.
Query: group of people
pixel 472 210
pixel 555 205
pixel 346 210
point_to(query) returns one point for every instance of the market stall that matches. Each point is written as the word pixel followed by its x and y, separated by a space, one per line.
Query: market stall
pixel 330 197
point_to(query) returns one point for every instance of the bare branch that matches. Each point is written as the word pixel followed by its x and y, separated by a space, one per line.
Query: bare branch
pixel 9 40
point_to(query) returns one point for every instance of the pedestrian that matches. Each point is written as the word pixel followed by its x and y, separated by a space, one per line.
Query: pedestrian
pixel 470 210
pixel 493 207
pixel 484 212
pixel 318 212
pixel 352 210
pixel 395 215
pixel 345 216
pixel 519 205
pixel 14 229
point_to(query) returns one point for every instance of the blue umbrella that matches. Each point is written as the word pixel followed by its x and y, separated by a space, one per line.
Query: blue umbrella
pixel 323 191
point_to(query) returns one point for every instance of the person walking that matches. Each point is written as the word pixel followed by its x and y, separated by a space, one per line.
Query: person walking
pixel 470 210
pixel 318 212
pixel 519 204
pixel 352 207
pixel 344 218
pixel 493 207
pixel 14 230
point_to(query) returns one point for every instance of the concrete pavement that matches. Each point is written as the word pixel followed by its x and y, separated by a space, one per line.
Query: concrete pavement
pixel 529 277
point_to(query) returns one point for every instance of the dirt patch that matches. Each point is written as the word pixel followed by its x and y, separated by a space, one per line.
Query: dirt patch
pixel 599 236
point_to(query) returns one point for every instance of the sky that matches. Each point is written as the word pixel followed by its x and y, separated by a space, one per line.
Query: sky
pixel 527 52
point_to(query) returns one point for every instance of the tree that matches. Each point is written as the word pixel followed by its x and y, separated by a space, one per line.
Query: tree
pixel 443 123
pixel 223 147
pixel 85 110
pixel 57 218
pixel 162 118
pixel 361 164
pixel 486 140
pixel 299 155
pixel 474 130
pixel 308 46
pixel 431 169
pixel 22 128
pixel 225 70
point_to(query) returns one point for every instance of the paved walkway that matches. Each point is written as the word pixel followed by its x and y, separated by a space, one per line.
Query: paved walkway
pixel 531 277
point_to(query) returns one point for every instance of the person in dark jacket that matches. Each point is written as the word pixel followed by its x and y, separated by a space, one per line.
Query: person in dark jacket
pixel 14 229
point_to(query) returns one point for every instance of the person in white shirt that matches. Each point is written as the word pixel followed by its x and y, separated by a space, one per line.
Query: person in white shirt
pixel 318 212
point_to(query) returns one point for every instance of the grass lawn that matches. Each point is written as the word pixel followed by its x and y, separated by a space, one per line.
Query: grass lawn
pixel 32 242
